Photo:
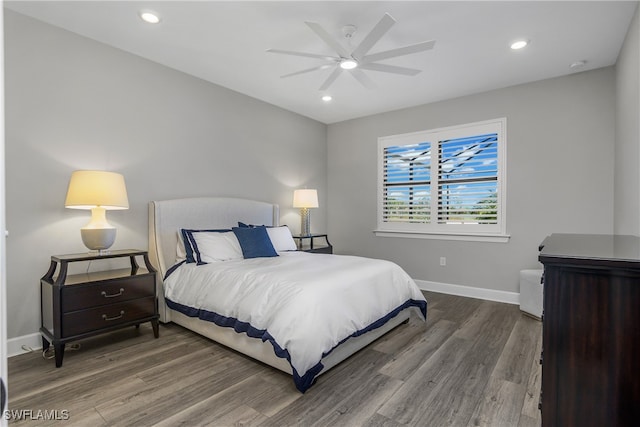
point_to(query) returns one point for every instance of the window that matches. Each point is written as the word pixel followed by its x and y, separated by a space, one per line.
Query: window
pixel 445 183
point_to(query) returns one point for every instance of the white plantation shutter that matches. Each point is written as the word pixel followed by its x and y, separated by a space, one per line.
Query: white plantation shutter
pixel 448 180
pixel 468 180
pixel 407 183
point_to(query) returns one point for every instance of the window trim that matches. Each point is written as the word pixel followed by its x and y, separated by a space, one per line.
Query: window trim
pixel 469 237
pixel 469 232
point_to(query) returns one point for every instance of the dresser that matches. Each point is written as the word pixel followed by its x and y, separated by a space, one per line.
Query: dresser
pixel 78 306
pixel 591 330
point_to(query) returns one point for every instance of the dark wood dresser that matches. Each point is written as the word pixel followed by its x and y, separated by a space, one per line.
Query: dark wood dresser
pixel 591 330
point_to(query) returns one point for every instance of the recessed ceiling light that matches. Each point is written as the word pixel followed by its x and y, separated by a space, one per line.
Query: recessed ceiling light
pixel 149 17
pixel 519 44
pixel 348 64
pixel 327 98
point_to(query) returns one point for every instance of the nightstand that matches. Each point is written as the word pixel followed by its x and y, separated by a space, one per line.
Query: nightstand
pixel 309 246
pixel 82 305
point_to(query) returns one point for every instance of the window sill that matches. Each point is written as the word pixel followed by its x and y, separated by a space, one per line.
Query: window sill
pixel 489 238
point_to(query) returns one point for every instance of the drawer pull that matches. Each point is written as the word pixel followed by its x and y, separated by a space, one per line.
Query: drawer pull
pixel 107 319
pixel 104 294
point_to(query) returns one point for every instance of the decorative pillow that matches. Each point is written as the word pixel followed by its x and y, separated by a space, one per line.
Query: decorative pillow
pixel 215 246
pixel 281 239
pixel 187 241
pixel 255 242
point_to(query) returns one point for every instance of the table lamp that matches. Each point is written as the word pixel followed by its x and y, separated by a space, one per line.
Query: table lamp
pixel 305 199
pixel 99 191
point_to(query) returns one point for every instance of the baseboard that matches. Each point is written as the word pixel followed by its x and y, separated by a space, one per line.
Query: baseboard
pixel 23 344
pixel 469 291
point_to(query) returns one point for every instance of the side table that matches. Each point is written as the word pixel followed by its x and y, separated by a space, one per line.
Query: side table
pixel 327 248
pixel 82 305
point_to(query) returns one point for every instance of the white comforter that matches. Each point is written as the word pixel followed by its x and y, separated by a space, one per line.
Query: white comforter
pixel 305 304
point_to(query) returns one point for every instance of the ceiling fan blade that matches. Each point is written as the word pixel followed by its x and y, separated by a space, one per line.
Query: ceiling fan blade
pixel 390 69
pixel 372 38
pixel 332 77
pixel 308 55
pixel 308 70
pixel 326 37
pixel 413 48
pixel 362 78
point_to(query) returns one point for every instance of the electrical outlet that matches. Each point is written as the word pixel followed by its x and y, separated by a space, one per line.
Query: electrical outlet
pixel 443 261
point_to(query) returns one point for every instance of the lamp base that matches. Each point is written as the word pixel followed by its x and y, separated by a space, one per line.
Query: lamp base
pixel 98 239
pixel 305 222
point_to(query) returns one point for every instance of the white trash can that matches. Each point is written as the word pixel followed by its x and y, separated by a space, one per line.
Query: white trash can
pixel 531 292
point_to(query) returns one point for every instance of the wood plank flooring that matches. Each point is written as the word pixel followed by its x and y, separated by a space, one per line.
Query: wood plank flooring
pixel 474 363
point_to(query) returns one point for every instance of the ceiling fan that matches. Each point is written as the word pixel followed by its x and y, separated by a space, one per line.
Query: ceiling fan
pixel 358 59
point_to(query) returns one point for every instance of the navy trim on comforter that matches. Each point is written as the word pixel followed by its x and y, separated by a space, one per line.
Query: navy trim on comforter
pixel 304 382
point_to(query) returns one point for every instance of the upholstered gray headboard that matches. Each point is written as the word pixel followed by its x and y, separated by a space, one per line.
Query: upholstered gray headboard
pixel 167 217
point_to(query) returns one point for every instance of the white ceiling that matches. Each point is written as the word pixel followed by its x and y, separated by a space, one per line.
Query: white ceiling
pixel 226 42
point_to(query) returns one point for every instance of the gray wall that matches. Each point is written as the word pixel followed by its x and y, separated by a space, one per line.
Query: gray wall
pixel 560 156
pixel 627 171
pixel 73 103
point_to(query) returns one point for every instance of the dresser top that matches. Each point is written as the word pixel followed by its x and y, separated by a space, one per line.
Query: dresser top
pixel 594 247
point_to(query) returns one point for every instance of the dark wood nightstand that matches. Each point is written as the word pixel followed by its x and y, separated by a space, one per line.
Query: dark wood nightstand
pixel 82 305
pixel 327 248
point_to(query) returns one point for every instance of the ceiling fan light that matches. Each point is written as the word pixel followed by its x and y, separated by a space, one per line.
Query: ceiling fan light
pixel 327 98
pixel 348 64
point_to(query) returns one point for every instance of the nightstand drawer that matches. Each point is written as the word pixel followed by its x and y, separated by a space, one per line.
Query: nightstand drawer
pixel 80 297
pixel 82 321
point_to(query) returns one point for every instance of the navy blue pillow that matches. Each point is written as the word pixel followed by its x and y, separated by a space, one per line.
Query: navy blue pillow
pixel 190 242
pixel 255 242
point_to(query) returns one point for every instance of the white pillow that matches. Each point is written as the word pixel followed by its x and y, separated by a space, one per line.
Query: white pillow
pixel 216 246
pixel 181 254
pixel 281 239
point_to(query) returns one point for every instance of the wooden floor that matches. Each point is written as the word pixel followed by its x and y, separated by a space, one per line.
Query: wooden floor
pixel 474 363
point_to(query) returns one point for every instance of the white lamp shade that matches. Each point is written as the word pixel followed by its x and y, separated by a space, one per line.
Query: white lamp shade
pixel 305 198
pixel 90 189
pixel 98 191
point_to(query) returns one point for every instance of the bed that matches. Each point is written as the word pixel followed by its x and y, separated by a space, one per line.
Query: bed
pixel 268 283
